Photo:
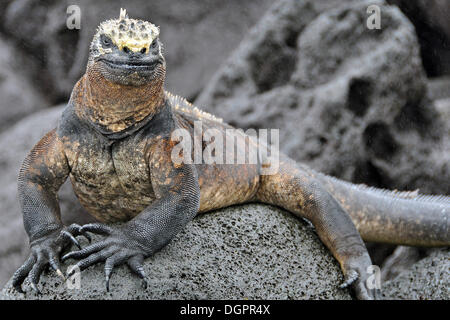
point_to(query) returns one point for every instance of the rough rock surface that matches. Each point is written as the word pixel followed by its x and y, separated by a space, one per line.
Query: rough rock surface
pixel 430 17
pixel 439 91
pixel 15 143
pixel 439 88
pixel 198 36
pixel 402 258
pixel 19 98
pixel 427 279
pixel 251 251
pixel 348 101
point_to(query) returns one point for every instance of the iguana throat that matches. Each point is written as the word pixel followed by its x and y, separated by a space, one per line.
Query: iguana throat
pixel 113 108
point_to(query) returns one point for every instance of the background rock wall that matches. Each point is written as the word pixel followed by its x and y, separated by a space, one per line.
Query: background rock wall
pixel 197 37
pixel 358 111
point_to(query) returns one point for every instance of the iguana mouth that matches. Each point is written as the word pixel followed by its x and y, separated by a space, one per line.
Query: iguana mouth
pixel 132 65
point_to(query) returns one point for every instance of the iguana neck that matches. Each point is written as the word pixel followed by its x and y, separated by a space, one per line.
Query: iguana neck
pixel 113 108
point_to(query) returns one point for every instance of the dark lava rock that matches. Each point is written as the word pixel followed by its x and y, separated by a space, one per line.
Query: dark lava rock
pixel 428 279
pixel 251 251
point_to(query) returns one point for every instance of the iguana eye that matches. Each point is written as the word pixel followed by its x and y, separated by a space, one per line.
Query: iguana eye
pixel 106 42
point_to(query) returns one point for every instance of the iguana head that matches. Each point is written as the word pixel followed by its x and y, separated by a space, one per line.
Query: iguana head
pixel 127 51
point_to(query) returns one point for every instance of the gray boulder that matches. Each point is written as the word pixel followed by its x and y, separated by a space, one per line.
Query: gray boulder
pixel 430 17
pixel 428 279
pixel 251 251
pixel 348 101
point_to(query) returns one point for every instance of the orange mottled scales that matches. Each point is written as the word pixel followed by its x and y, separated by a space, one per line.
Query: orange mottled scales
pixel 112 182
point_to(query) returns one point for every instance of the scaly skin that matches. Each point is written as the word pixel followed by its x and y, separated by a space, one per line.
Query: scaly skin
pixel 114 142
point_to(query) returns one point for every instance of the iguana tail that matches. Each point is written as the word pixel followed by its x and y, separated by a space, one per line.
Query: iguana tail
pixel 406 218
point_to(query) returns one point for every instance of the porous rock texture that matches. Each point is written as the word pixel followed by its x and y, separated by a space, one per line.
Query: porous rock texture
pixel 251 251
pixel 348 101
pixel 428 279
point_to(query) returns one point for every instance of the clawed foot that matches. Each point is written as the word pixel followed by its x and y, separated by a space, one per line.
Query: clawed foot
pixel 45 252
pixel 362 279
pixel 117 248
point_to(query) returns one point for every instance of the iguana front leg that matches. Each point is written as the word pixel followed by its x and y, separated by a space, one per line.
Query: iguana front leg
pixel 42 173
pixel 178 197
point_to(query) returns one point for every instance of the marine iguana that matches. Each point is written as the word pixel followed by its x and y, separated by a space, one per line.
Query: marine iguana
pixel 114 141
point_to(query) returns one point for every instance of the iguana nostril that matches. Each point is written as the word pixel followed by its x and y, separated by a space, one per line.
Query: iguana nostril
pixel 143 50
pixel 126 49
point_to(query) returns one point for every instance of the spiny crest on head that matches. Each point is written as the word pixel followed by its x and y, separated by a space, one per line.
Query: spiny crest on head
pixel 123 14
pixel 132 33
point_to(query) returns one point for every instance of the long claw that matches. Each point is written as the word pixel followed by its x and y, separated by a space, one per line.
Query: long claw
pixel 67 256
pixel 145 283
pixel 18 288
pixel 110 263
pixel 21 273
pixel 108 270
pixel 88 237
pixel 107 277
pixel 55 265
pixel 136 265
pixel 35 288
pixel 75 229
pixel 36 271
pixel 96 228
pixel 61 275
pixel 86 251
pixel 71 238
pixel 351 277
pixel 95 257
pixel 44 255
pixel 71 271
